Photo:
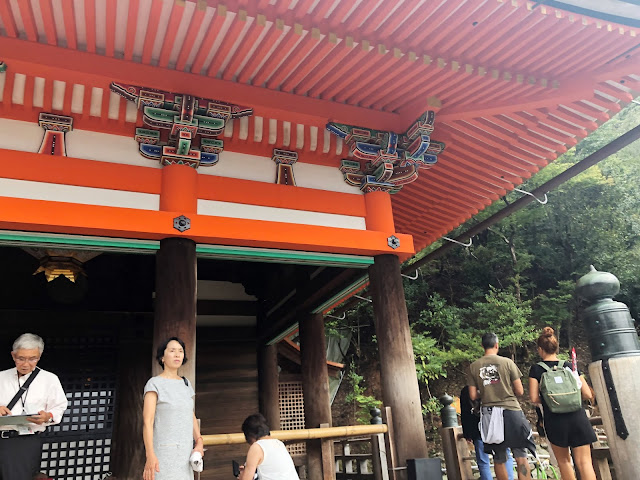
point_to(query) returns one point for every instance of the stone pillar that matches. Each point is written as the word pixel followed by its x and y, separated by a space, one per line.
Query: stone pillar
pixel 175 303
pixel 315 386
pixel 397 365
pixel 268 385
pixel 615 349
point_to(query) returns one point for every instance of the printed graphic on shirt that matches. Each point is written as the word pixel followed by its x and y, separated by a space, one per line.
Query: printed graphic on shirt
pixel 489 375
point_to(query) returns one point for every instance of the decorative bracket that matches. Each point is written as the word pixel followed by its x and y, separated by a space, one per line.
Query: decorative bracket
pixel 55 128
pixel 387 160
pixel 180 128
pixel 284 160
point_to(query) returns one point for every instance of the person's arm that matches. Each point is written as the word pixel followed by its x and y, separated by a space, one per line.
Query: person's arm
pixel 518 389
pixel 255 456
pixel 148 416
pixel 587 393
pixel 54 406
pixel 534 391
pixel 473 393
pixel 199 447
pixel 57 403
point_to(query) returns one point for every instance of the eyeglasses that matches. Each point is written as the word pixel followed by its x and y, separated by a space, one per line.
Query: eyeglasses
pixel 25 360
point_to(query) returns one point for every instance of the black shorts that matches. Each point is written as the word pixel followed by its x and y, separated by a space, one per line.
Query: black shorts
pixel 568 429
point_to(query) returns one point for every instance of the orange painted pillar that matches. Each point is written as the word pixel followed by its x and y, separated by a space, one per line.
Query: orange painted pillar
pixel 179 189
pixel 379 212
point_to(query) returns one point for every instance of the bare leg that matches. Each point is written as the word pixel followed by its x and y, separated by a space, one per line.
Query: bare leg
pixel 582 457
pixel 501 471
pixel 564 462
pixel 524 472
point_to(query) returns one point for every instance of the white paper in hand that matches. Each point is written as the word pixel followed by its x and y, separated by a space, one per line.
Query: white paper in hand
pixel 196 462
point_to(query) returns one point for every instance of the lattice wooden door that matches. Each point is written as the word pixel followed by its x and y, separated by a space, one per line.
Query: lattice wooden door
pixel 79 448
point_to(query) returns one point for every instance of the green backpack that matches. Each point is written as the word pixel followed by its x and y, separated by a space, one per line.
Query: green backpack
pixel 559 389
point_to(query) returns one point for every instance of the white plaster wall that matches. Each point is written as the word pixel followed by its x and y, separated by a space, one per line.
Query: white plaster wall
pixel 272 214
pixel 74 194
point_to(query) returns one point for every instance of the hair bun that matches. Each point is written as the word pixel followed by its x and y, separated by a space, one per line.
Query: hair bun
pixel 547 332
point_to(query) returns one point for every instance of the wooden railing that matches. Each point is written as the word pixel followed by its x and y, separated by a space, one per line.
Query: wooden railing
pixel 370 465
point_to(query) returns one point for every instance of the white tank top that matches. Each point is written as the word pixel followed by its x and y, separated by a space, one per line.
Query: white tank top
pixel 277 463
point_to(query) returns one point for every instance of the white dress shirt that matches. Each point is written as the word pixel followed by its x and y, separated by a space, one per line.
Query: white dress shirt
pixel 44 393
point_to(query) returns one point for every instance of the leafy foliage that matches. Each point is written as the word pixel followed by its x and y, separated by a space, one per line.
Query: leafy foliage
pixel 362 403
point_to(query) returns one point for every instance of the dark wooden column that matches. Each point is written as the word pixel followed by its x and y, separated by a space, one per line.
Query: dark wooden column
pixel 315 388
pixel 175 303
pixel 268 385
pixel 128 455
pixel 397 366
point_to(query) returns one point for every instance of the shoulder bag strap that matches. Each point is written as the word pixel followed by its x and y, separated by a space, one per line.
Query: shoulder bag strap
pixel 23 388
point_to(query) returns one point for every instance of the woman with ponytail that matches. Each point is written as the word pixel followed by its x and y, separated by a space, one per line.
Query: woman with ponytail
pixel 564 430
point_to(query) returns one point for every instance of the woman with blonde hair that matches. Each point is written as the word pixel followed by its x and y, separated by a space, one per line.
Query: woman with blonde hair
pixel 564 430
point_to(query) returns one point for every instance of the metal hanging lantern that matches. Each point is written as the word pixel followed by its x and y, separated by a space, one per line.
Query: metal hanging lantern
pixel 608 323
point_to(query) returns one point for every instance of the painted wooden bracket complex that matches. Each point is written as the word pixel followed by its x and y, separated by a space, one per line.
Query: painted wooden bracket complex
pixel 55 128
pixel 284 160
pixel 180 128
pixel 385 161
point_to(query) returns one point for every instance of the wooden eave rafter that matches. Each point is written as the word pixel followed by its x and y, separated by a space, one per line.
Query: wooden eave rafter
pixel 506 105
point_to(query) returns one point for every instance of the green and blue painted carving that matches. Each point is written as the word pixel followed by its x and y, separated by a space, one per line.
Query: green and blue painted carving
pixel 180 128
pixel 387 160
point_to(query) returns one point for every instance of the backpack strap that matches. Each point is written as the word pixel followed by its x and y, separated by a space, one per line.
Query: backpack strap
pixel 186 382
pixel 546 367
pixel 560 364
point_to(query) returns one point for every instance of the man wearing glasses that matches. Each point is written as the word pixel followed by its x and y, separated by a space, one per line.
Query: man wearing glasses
pixel 27 390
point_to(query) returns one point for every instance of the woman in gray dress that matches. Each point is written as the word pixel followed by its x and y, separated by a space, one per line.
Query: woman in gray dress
pixel 170 425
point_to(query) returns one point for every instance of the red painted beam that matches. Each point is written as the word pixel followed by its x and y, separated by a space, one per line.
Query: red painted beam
pixel 316 57
pixel 90 24
pixel 291 61
pixel 290 40
pixel 276 31
pixel 345 47
pixel 190 38
pixel 49 22
pixel 169 39
pixel 152 30
pixel 213 30
pixel 7 19
pixel 28 21
pixel 247 43
pixel 229 40
pixel 132 23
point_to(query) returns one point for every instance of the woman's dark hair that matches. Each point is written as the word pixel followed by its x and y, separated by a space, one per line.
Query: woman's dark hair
pixel 163 346
pixel 547 341
pixel 255 427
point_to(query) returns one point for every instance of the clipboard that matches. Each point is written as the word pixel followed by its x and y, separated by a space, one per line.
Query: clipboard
pixel 14 420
